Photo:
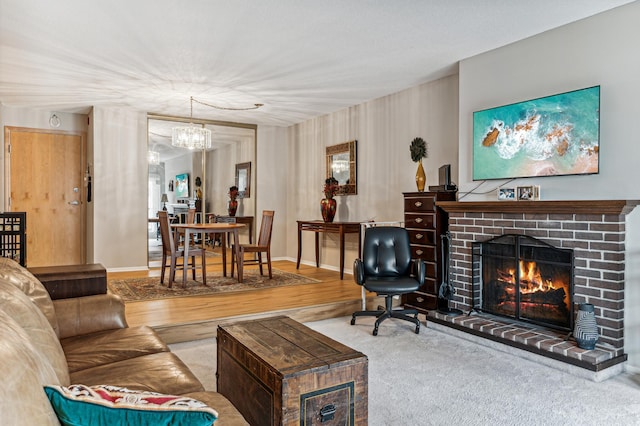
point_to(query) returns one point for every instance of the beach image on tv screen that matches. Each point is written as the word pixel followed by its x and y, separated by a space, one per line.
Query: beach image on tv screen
pixel 550 136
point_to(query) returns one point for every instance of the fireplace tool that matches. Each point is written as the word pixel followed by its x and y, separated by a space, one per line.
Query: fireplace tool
pixel 446 290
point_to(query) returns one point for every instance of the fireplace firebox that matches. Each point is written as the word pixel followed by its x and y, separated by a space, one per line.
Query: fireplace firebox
pixel 526 279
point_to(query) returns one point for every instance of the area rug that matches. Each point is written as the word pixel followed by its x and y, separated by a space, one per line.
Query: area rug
pixel 137 289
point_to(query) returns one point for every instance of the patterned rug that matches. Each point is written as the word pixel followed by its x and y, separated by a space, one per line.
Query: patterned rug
pixel 137 289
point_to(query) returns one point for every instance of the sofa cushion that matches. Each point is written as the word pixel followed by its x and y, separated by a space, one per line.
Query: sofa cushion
pixel 23 372
pixel 163 372
pixel 26 314
pixel 19 276
pixel 110 405
pixel 105 347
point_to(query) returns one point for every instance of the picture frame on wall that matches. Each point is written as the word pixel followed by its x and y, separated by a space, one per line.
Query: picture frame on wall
pixel 506 194
pixel 526 193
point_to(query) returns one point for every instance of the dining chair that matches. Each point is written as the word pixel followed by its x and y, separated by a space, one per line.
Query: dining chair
pixel 262 246
pixel 171 252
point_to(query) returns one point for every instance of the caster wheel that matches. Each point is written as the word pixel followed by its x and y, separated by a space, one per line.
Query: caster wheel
pixel 375 331
pixel 353 321
pixel 417 329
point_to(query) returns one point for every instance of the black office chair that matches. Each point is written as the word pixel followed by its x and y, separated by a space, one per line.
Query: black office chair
pixel 386 268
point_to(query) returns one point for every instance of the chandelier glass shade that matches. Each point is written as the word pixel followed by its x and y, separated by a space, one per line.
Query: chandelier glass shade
pixel 153 157
pixel 191 137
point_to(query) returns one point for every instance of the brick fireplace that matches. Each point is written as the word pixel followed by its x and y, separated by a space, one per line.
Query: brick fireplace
pixel 594 230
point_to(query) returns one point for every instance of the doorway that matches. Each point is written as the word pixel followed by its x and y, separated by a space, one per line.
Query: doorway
pixel 44 177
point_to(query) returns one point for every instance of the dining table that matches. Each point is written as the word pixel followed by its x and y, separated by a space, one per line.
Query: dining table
pixel 210 228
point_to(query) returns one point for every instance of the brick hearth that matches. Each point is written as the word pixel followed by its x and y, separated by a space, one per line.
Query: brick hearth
pixel 595 230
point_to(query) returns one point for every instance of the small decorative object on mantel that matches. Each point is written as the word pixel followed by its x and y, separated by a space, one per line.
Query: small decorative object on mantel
pixel 418 149
pixel 586 329
pixel 233 203
pixel 328 204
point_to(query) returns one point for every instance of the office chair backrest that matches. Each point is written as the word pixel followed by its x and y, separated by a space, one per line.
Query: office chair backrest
pixel 386 251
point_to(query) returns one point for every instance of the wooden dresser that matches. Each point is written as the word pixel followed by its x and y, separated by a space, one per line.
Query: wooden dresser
pixel 426 223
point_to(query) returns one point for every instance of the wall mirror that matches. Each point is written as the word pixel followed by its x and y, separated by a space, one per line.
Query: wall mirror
pixel 210 173
pixel 243 179
pixel 341 165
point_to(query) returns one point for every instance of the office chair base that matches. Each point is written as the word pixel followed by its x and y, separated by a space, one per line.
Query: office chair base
pixel 384 314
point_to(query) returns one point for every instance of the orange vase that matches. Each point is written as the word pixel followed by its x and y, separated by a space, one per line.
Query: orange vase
pixel 421 178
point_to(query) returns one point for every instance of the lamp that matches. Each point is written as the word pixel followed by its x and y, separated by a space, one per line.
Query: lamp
pixel 164 200
pixel 153 157
pixel 191 137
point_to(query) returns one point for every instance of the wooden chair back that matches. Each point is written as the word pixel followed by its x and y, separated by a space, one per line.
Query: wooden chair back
pixel 191 216
pixel 168 243
pixel 264 238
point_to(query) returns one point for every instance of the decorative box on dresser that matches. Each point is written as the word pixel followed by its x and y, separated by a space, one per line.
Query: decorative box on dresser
pixel 426 223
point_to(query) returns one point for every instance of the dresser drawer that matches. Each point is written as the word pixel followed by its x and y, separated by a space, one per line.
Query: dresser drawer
pixel 420 204
pixel 421 301
pixel 422 236
pixel 430 286
pixel 420 221
pixel 426 253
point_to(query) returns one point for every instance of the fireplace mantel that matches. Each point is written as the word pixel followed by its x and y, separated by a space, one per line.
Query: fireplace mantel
pixel 616 207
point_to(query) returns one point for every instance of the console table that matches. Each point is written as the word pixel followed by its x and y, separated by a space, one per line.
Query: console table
pixel 318 226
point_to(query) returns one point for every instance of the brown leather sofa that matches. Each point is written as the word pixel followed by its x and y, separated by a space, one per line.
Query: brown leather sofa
pixel 82 340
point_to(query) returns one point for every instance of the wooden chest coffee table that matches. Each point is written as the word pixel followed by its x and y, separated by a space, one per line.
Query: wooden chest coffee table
pixel 277 371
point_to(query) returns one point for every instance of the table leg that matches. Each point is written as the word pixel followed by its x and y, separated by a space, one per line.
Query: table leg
pixel 185 261
pixel 299 247
pixel 239 260
pixel 341 252
pixel 317 249
pixel 223 245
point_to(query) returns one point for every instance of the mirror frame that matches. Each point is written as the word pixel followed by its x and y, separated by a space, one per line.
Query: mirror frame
pixel 239 168
pixel 204 122
pixel 348 147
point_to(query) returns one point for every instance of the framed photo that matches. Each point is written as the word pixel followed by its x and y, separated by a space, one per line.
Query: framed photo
pixel 505 194
pixel 526 193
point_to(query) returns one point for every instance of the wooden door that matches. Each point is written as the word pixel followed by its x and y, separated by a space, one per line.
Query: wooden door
pixel 44 177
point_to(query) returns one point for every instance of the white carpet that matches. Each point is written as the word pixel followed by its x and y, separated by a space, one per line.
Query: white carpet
pixel 437 379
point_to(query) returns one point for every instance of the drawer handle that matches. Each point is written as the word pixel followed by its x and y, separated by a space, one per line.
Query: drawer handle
pixel 418 220
pixel 327 413
pixel 419 236
pixel 420 299
pixel 418 204
pixel 419 252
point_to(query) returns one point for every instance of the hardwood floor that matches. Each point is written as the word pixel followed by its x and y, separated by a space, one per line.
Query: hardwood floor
pixel 189 318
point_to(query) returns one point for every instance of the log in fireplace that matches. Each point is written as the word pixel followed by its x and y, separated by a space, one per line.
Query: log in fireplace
pixel 526 279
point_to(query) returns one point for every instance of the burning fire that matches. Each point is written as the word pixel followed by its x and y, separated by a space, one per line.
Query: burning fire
pixel 531 280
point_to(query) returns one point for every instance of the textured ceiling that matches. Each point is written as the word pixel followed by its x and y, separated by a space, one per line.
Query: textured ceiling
pixel 300 58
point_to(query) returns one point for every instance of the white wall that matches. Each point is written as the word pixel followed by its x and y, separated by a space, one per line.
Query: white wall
pixel 272 181
pixel 601 50
pixel 384 128
pixel 120 188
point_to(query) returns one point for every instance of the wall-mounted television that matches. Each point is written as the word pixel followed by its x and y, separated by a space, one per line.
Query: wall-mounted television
pixel 551 136
pixel 182 185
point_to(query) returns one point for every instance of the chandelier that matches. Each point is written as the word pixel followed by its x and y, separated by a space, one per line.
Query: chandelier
pixel 197 137
pixel 191 137
pixel 153 157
